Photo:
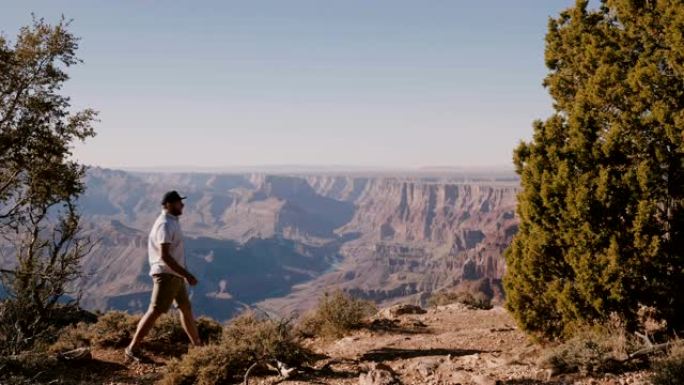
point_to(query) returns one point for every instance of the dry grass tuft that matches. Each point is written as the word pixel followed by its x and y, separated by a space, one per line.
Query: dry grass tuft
pixel 473 300
pixel 335 316
pixel 168 336
pixel 115 329
pixel 670 369
pixel 246 340
pixel 72 337
pixel 592 350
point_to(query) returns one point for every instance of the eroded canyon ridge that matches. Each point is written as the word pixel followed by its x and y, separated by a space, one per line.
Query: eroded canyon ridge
pixel 278 241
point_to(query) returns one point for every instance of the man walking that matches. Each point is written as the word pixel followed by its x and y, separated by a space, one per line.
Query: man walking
pixel 167 268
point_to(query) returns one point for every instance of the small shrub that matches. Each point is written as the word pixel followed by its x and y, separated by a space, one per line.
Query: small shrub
pixel 167 329
pixel 336 315
pixel 168 336
pixel 37 333
pixel 26 365
pixel 205 365
pixel 210 331
pixel 591 350
pixel 309 325
pixel 71 337
pixel 586 356
pixel 670 369
pixel 246 339
pixel 477 300
pixel 262 339
pixel 113 329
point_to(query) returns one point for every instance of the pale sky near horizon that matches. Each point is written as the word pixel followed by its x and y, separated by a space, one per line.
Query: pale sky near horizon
pixel 385 83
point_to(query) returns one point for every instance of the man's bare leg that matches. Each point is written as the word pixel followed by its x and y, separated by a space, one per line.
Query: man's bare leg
pixel 144 326
pixel 188 323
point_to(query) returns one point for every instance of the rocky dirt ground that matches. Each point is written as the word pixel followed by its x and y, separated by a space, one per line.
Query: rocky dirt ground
pixel 445 345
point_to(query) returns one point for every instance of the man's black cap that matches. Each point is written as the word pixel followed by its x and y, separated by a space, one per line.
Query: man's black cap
pixel 171 196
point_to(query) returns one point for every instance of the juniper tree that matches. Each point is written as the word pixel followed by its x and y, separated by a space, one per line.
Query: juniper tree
pixel 602 202
pixel 40 241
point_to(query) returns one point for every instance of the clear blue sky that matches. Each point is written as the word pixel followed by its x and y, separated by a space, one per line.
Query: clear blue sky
pixel 389 83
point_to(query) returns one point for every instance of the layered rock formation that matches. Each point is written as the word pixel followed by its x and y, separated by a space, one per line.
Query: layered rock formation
pixel 278 241
pixel 409 238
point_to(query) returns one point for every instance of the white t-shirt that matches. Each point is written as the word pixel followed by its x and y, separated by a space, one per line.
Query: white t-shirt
pixel 166 229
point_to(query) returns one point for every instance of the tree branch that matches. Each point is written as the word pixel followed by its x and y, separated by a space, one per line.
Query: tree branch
pixel 249 371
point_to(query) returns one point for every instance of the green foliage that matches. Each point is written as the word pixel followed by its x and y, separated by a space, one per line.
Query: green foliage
pixel 602 202
pixel 336 315
pixel 246 340
pixel 670 370
pixel 476 300
pixel 39 181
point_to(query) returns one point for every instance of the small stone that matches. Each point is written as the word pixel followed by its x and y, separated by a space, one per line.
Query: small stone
pixel 484 380
pixel 427 366
pixel 377 377
pixel 397 310
pixel 80 354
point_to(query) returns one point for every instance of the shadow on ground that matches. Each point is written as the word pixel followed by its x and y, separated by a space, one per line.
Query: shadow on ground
pixel 395 326
pixel 388 354
pixel 530 381
pixel 92 371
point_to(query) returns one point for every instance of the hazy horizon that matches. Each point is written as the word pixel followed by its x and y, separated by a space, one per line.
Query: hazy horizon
pixel 383 85
pixel 323 167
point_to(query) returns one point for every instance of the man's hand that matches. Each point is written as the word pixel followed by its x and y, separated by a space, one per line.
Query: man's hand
pixel 173 265
pixel 192 281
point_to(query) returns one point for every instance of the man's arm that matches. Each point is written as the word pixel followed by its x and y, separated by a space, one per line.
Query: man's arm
pixel 173 265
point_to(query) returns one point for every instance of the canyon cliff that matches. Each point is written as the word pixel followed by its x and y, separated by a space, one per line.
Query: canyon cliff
pixel 278 241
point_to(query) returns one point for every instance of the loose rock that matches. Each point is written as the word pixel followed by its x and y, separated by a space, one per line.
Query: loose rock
pixel 398 310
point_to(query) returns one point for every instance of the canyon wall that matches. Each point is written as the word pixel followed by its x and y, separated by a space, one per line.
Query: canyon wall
pixel 278 241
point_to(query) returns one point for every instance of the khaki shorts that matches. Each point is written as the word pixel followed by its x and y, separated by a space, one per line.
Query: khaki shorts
pixel 168 288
